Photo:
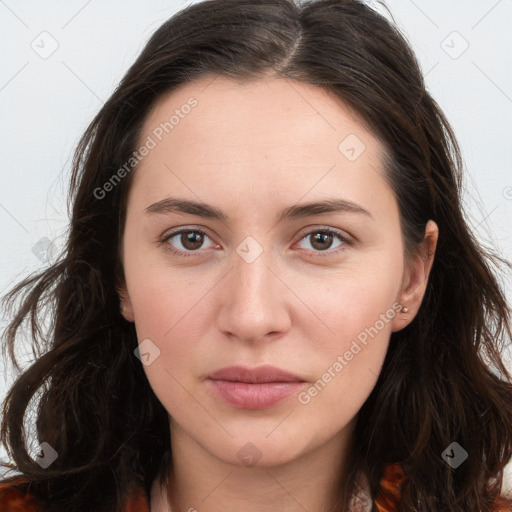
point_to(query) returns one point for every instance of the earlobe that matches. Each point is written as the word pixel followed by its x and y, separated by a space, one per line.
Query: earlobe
pixel 125 305
pixel 416 278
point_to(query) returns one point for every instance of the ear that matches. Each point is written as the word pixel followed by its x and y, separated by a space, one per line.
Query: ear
pixel 125 303
pixel 415 278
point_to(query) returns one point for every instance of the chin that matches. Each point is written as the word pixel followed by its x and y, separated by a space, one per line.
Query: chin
pixel 261 450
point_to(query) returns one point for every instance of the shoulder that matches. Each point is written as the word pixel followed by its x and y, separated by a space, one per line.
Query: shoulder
pixel 15 497
pixel 388 498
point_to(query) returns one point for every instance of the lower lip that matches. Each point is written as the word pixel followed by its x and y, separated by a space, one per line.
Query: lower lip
pixel 253 396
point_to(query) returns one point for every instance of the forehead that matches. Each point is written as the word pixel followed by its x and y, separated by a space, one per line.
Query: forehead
pixel 269 111
pixel 271 134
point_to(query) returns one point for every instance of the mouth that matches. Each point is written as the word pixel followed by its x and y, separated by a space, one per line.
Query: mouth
pixel 254 388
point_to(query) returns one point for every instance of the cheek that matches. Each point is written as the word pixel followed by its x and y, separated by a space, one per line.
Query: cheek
pixel 168 310
pixel 357 307
pixel 352 299
pixel 169 317
pixel 168 321
pixel 347 365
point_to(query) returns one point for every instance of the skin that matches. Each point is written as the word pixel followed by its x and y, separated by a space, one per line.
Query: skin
pixel 251 150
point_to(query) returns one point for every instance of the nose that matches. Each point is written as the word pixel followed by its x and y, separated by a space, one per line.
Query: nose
pixel 254 301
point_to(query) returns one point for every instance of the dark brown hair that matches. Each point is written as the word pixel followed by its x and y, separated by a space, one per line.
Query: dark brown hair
pixel 443 378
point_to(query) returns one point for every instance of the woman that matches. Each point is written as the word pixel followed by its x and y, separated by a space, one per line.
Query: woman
pixel 269 299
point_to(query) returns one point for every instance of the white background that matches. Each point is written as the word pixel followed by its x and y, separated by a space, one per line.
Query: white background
pixel 46 103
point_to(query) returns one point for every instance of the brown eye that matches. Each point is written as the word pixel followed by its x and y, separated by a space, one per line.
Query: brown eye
pixel 185 242
pixel 321 240
pixel 191 240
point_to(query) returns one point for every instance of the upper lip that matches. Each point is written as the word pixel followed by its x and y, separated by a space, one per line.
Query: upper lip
pixel 255 375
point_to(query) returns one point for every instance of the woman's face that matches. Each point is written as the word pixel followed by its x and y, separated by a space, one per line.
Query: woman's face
pixel 265 284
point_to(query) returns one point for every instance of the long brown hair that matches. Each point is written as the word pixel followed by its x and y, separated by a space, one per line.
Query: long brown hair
pixel 443 378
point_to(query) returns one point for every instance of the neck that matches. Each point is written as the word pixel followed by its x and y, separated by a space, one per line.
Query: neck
pixel 200 482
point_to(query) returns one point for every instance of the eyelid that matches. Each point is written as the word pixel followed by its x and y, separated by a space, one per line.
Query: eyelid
pixel 322 227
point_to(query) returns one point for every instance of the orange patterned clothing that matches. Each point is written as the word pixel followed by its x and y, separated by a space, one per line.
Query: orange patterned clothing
pixel 15 496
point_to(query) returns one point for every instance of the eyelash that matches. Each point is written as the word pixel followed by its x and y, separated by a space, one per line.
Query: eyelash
pixel 346 241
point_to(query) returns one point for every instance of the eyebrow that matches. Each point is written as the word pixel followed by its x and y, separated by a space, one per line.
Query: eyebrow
pixel 335 205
